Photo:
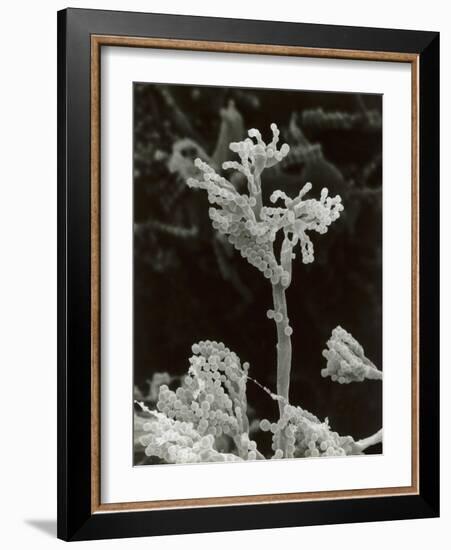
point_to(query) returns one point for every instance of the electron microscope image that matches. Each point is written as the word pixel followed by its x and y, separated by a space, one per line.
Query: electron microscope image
pixel 257 285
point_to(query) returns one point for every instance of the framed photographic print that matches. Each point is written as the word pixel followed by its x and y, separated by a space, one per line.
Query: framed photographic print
pixel 248 274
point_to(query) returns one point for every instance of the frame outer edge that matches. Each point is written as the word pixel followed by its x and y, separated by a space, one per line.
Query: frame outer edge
pixel 74 390
pixel 190 27
pixel 62 495
pixel 75 521
pixel 429 294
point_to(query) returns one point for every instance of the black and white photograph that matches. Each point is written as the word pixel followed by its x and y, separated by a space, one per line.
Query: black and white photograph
pixel 225 310
pixel 257 274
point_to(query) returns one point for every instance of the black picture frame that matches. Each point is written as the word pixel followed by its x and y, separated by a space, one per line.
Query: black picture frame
pixel 76 519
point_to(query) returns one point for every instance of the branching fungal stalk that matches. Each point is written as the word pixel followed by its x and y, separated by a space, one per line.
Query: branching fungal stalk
pixel 205 418
pixel 203 414
pixel 252 228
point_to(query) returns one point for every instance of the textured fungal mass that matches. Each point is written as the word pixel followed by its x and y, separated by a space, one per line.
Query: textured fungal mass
pixel 205 419
pixel 251 227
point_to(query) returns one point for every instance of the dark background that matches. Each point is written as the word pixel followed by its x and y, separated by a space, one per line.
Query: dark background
pixel 188 286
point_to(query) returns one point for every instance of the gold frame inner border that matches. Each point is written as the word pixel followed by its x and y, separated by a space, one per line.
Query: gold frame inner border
pixel 97 41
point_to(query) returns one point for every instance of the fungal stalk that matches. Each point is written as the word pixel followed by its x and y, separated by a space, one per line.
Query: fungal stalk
pixel 252 228
pixel 205 419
